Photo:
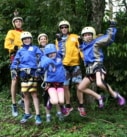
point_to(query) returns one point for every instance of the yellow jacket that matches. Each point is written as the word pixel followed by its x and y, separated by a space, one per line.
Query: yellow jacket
pixel 12 39
pixel 72 53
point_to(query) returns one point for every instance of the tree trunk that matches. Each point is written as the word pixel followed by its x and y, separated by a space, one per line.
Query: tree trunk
pixel 98 8
pixel 90 100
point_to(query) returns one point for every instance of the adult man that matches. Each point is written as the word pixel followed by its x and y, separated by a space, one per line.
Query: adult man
pixel 68 44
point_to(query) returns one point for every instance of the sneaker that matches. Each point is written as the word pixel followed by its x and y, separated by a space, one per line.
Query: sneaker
pixel 25 118
pixel 121 100
pixel 21 103
pixel 48 119
pixel 38 120
pixel 14 111
pixel 101 102
pixel 63 109
pixel 60 116
pixel 49 105
pixel 82 111
pixel 67 111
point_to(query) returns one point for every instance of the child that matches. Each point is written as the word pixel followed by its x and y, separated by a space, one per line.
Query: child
pixel 93 59
pixel 26 61
pixel 54 78
pixel 12 43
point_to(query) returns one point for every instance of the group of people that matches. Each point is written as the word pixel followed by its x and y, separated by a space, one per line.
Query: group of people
pixel 57 65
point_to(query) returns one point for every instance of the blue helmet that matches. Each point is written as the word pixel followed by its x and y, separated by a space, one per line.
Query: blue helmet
pixel 50 48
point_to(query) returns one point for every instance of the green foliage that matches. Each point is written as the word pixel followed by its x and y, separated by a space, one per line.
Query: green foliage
pixel 98 123
pixel 40 16
pixel 121 18
pixel 117 50
pixel 116 55
pixel 116 64
pixel 43 16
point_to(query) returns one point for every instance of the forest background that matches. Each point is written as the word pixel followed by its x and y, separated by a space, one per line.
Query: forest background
pixel 43 16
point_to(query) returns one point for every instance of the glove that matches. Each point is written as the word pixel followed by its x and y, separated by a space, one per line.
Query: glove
pixel 113 23
pixel 59 36
pixel 14 73
pixel 39 72
pixel 16 48
pixel 80 40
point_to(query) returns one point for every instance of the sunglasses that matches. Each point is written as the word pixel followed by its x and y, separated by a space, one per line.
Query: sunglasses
pixel 66 27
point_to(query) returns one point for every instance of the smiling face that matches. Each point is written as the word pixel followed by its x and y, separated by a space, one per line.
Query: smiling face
pixel 43 41
pixel 27 41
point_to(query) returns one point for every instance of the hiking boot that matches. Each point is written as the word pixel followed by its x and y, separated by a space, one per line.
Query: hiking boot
pixel 60 116
pixel 121 100
pixel 82 111
pixel 25 118
pixel 21 103
pixel 49 105
pixel 48 119
pixel 101 103
pixel 38 120
pixel 14 111
pixel 67 111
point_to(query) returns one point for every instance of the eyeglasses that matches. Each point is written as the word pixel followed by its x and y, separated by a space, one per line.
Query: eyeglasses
pixel 66 27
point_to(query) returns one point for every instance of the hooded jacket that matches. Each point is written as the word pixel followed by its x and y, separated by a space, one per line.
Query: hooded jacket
pixel 54 72
pixel 27 57
pixel 92 51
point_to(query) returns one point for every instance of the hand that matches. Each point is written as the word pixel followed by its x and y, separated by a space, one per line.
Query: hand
pixel 80 40
pixel 113 23
pixel 14 73
pixel 40 70
pixel 16 48
pixel 59 36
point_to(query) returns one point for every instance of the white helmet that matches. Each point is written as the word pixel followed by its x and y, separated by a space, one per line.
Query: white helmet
pixel 89 30
pixel 65 22
pixel 26 34
pixel 40 35
pixel 16 18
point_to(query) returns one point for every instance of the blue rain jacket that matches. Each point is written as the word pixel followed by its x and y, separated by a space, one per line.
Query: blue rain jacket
pixel 27 57
pixel 92 51
pixel 54 70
